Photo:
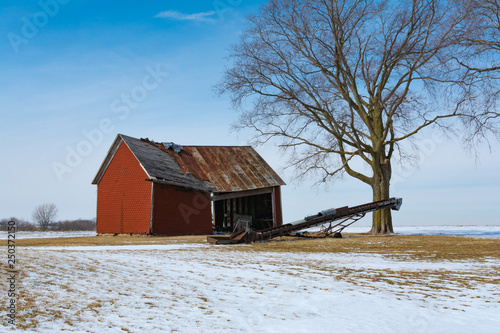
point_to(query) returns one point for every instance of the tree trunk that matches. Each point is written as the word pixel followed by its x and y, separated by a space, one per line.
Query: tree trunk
pixel 382 219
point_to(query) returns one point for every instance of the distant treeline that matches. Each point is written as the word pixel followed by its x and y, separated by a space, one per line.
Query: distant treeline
pixel 66 225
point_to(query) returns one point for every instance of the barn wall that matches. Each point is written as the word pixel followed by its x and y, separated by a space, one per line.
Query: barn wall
pixel 123 196
pixel 181 212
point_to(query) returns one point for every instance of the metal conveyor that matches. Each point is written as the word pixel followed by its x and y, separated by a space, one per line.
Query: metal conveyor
pixel 339 218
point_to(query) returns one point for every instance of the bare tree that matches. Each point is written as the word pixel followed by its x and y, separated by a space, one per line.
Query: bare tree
pixel 44 214
pixel 21 224
pixel 483 25
pixel 345 85
pixel 74 225
pixel 482 64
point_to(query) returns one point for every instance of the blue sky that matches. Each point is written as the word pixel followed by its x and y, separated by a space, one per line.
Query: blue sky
pixel 76 73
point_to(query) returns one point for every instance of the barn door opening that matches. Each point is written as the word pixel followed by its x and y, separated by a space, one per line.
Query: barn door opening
pixel 259 207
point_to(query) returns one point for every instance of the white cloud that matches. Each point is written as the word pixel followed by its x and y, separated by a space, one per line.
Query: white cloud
pixel 178 16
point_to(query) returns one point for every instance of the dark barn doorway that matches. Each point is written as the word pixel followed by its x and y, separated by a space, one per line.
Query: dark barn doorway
pixel 259 207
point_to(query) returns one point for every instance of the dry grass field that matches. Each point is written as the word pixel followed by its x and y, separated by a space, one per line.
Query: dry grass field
pixel 419 247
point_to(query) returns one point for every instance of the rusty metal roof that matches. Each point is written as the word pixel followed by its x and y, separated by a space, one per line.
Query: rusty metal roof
pixel 205 168
pixel 158 165
pixel 227 168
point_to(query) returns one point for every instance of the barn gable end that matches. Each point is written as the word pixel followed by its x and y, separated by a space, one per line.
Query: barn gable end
pixel 123 197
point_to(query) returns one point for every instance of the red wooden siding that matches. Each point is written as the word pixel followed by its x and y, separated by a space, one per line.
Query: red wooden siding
pixel 181 212
pixel 123 196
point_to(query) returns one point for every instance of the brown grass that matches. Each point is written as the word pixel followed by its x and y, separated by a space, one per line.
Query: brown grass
pixel 401 247
pixel 110 240
pixel 426 247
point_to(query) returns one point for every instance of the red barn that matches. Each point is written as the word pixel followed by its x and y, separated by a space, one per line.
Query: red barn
pixel 147 187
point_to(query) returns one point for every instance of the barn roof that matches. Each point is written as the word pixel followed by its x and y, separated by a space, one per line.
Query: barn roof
pixel 206 168
pixel 228 168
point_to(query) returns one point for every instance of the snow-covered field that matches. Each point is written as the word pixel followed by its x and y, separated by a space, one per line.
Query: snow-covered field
pixel 203 288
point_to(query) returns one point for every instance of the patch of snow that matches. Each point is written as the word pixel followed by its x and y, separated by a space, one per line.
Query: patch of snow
pixel 490 231
pixel 49 234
